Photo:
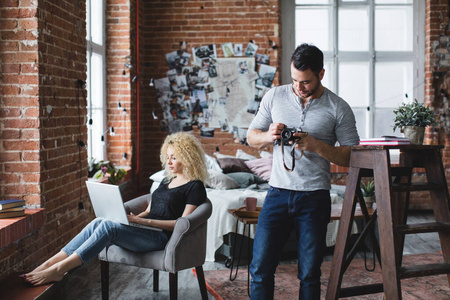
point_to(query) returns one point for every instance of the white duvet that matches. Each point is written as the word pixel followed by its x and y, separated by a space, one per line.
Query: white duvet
pixel 221 222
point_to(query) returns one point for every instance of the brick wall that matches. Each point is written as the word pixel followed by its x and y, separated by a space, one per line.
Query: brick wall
pixel 43 52
pixel 437 67
pixel 121 69
pixel 165 23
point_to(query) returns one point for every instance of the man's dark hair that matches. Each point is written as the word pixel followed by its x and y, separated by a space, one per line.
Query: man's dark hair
pixel 306 57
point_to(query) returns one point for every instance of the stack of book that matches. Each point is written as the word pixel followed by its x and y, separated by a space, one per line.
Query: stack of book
pixel 385 140
pixel 12 208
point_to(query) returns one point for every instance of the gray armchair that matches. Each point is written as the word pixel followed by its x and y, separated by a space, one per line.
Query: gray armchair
pixel 186 249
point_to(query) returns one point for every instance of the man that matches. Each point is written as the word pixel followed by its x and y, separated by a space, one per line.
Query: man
pixel 299 199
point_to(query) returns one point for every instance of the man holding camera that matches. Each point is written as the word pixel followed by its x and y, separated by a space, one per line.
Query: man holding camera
pixel 312 119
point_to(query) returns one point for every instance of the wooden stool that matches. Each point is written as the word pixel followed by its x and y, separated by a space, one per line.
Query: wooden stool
pixel 392 198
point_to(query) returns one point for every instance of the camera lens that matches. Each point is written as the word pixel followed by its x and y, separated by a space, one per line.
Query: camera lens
pixel 286 134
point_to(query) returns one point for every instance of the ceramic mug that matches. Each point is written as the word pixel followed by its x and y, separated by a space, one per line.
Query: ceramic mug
pixel 250 203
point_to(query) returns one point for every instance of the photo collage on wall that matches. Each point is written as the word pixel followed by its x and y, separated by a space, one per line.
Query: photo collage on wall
pixel 187 94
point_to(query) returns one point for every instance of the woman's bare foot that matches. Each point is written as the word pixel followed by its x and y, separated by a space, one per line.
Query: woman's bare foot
pixel 56 270
pixel 60 256
pixel 48 275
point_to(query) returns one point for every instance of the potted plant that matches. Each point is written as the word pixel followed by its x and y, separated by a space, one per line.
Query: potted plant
pixel 412 118
pixel 368 191
pixel 114 175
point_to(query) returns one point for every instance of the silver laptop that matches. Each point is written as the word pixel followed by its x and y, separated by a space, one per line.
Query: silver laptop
pixel 107 202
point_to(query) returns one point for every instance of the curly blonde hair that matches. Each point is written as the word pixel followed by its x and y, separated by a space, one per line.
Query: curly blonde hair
pixel 189 152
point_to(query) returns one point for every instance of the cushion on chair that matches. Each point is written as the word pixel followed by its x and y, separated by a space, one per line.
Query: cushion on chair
pixel 150 260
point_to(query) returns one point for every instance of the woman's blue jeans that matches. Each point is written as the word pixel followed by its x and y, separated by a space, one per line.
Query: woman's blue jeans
pixel 308 213
pixel 100 233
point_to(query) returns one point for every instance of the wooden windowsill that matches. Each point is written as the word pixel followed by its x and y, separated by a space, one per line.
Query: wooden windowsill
pixel 13 229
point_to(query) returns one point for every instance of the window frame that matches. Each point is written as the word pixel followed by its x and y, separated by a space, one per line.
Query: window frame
pixel 96 48
pixel 416 56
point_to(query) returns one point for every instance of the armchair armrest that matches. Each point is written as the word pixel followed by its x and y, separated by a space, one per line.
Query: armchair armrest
pixel 188 239
pixel 137 205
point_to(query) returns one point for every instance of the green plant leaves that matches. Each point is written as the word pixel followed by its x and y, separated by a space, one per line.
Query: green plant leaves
pixel 368 188
pixel 414 114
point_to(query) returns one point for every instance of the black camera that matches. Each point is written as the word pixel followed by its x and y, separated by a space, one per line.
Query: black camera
pixel 287 135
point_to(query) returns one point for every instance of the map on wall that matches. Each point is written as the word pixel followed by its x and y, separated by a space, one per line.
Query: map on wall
pixel 232 101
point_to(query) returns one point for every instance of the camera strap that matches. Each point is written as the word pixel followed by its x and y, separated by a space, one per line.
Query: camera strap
pixel 292 155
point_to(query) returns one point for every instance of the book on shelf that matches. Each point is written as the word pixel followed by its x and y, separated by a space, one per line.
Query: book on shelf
pixel 4 204
pixel 19 208
pixel 384 143
pixel 386 138
pixel 12 214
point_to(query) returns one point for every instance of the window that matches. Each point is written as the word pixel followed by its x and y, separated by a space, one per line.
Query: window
pixel 96 79
pixel 373 49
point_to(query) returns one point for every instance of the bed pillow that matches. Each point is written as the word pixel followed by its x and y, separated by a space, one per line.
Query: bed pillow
pixel 246 179
pixel 230 165
pixel 212 164
pixel 261 167
pixel 243 155
pixel 220 155
pixel 158 176
pixel 220 181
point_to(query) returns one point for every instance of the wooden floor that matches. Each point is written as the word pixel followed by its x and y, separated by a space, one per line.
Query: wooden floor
pixel 128 282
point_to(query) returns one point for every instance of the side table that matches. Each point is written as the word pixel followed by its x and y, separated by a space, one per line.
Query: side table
pixel 246 221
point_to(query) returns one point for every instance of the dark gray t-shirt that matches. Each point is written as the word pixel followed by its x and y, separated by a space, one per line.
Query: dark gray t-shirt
pixel 328 119
pixel 169 203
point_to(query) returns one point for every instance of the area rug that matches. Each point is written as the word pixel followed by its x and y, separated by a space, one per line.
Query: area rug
pixel 287 284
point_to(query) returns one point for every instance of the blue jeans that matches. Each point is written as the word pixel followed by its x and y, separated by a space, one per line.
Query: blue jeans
pixel 100 233
pixel 309 214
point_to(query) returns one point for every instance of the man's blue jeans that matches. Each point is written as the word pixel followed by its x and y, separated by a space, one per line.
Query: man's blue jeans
pixel 101 233
pixel 309 214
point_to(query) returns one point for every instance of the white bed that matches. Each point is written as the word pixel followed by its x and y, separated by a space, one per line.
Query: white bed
pixel 222 223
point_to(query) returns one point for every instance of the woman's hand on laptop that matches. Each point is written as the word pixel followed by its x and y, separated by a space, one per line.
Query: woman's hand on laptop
pixel 134 219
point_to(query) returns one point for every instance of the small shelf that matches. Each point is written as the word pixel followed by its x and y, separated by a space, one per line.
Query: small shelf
pixel 13 229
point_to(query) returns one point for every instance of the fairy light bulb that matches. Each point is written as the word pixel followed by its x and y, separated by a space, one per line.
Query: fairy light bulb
pixel 103 140
pixel 111 131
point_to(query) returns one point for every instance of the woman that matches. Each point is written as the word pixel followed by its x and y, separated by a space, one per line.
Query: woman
pixel 178 195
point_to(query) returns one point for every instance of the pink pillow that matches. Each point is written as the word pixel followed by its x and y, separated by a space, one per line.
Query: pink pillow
pixel 261 167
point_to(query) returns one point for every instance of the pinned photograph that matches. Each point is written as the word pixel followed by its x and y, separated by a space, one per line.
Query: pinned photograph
pixel 162 86
pixel 177 59
pixel 205 64
pixel 204 52
pixel 203 76
pixel 253 107
pixel 262 59
pixel 172 75
pixel 198 97
pixel 212 71
pixel 266 76
pixel 238 49
pixel 242 67
pixel 181 85
pixel 207 115
pixel 228 50
pixel 251 50
pixel 259 93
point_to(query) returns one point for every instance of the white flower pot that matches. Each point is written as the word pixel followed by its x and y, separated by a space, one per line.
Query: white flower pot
pixel 415 134
pixel 369 201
